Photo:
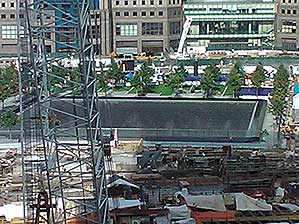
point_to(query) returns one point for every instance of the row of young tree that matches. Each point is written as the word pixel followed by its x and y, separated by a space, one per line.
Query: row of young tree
pixel 142 79
pixel 208 83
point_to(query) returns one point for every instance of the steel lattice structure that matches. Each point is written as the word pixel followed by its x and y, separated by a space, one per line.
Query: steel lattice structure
pixel 63 157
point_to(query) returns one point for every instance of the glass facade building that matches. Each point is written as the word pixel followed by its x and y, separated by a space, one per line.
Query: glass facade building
pixel 230 24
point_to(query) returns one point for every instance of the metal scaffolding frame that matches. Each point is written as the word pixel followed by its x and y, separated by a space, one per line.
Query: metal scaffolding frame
pixel 63 160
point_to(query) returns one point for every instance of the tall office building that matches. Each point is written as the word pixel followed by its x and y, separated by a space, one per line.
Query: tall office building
pixel 146 25
pixel 105 23
pixel 287 26
pixel 8 26
pixel 230 24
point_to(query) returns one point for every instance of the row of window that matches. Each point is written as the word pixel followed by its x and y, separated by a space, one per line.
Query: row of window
pixel 3 5
pixel 145 2
pixel 135 2
pixel 143 13
pixel 289 27
pixel 289 1
pixel 147 29
pixel 289 11
pixel 11 16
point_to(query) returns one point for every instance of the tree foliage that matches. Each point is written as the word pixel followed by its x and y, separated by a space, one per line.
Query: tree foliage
pixel 58 76
pixel 114 72
pixel 8 119
pixel 142 79
pixel 208 80
pixel 176 78
pixel 258 77
pixel 280 91
pixel 236 78
pixel 278 96
pixel 8 81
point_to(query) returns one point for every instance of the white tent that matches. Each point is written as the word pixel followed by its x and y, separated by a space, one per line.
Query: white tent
pixel 247 203
pixel 120 181
pixel 210 202
pixel 120 203
pixel 10 211
pixel 242 201
pixel 291 207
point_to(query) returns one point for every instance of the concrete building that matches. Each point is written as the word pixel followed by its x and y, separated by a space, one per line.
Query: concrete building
pixel 105 23
pixel 8 26
pixel 146 25
pixel 287 26
pixel 230 24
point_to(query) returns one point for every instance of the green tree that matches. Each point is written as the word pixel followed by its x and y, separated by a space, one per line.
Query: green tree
pixel 59 75
pixel 208 80
pixel 56 78
pixel 236 79
pixel 114 72
pixel 258 77
pixel 279 93
pixel 103 82
pixel 8 119
pixel 142 79
pixel 8 82
pixel 176 78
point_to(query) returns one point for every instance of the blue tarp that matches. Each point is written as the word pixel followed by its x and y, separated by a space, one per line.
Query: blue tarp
pixel 129 75
pixel 296 89
pixel 222 78
pixel 193 78
pixel 251 91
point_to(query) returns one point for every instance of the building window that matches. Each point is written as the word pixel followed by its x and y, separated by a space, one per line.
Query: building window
pixel 134 3
pixel 294 11
pixel 175 28
pixel 12 4
pixel 66 34
pixel 152 2
pixel 160 13
pixel 152 28
pixel 126 13
pixel 160 2
pixel 143 13
pixel 289 11
pixel 152 13
pixel 126 30
pixel 126 3
pixel 3 16
pixel 117 13
pixel 288 27
pixel 12 16
pixel 116 2
pixel 283 11
pixel 9 32
pixel 134 13
pixel 143 2
pixel 3 4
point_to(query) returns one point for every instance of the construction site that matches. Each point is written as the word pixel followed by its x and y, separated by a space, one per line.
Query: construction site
pixel 86 158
